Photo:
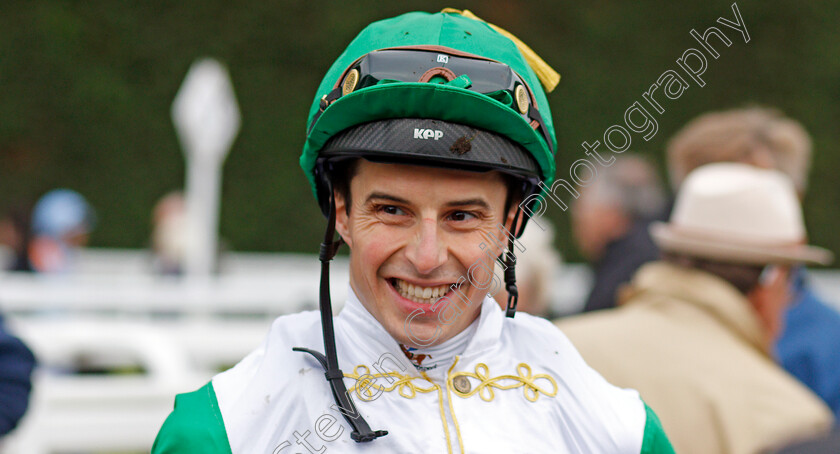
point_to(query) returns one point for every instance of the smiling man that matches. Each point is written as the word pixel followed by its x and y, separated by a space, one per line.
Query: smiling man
pixel 417 234
pixel 428 141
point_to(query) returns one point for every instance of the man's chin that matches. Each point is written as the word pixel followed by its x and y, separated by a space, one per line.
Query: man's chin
pixel 420 334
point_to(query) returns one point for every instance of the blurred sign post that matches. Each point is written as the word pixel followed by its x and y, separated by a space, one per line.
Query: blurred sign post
pixel 206 117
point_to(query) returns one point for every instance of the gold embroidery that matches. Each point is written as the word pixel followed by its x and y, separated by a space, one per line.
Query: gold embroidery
pixel 451 409
pixel 405 383
pixel 443 415
pixel 366 381
pixel 405 386
pixel 525 379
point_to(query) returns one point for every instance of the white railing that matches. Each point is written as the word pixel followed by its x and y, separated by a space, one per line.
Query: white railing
pixel 70 412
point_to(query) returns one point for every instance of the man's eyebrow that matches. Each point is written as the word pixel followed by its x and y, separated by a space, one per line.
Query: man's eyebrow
pixel 454 203
pixel 382 195
pixel 467 202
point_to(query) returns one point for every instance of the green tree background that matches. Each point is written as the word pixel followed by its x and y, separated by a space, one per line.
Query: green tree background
pixel 86 88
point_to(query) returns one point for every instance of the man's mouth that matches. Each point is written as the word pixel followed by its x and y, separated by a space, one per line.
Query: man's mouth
pixel 418 293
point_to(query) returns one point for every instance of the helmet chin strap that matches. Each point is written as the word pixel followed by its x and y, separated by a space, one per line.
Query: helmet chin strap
pixel 510 270
pixel 335 377
pixel 509 259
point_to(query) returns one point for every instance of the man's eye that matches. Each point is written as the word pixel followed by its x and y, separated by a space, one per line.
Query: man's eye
pixel 460 216
pixel 392 210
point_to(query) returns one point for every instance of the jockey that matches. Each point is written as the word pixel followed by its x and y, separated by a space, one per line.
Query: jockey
pixel 429 143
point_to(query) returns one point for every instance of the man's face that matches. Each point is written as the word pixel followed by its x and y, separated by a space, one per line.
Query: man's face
pixel 414 232
pixel 595 224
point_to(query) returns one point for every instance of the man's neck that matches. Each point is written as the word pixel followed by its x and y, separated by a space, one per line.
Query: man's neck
pixel 427 358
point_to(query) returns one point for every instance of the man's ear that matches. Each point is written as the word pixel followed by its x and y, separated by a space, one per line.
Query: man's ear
pixel 759 300
pixel 757 296
pixel 769 299
pixel 342 219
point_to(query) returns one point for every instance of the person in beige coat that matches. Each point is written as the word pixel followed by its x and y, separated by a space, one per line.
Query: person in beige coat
pixel 694 330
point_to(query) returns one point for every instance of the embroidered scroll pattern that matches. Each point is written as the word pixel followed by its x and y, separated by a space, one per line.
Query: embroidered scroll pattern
pixel 525 379
pixel 404 384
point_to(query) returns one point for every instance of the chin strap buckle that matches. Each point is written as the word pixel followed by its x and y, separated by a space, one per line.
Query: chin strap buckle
pixel 328 250
pixel 362 438
pixel 510 284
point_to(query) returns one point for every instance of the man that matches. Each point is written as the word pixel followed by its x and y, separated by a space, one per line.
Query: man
pixel 16 235
pixel 170 234
pixel 807 347
pixel 610 224
pixel 758 136
pixel 695 332
pixel 16 365
pixel 61 223
pixel 424 137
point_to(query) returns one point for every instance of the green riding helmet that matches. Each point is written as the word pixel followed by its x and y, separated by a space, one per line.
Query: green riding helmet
pixel 444 89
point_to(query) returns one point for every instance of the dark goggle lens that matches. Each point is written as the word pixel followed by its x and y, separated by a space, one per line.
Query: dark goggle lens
pixel 410 66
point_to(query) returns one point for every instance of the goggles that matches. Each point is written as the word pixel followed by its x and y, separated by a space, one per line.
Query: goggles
pixel 437 64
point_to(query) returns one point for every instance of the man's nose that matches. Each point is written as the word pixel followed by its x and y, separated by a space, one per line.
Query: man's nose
pixel 427 251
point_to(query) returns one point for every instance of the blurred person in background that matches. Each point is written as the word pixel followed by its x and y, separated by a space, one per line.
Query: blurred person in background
pixel 169 234
pixel 61 223
pixel 694 332
pixel 16 364
pixel 16 360
pixel 610 223
pixel 808 346
pixel 758 136
pixel 16 235
pixel 536 267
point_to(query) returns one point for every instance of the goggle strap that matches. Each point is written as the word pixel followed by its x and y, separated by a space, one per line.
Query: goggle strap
pixel 534 114
pixel 324 103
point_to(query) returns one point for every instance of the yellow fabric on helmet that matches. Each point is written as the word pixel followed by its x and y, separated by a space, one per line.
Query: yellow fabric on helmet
pixel 549 78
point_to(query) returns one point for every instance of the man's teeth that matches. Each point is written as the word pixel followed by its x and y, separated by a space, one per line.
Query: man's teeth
pixel 420 294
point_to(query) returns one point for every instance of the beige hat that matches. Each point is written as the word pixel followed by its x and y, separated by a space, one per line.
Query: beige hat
pixel 738 213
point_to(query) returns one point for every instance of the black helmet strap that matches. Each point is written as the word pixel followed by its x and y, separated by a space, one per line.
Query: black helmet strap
pixel 510 268
pixel 509 259
pixel 335 377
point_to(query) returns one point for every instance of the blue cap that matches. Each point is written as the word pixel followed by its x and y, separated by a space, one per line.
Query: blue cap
pixel 61 211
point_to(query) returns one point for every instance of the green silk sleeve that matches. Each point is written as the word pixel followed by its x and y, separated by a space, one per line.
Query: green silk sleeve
pixel 655 441
pixel 195 425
